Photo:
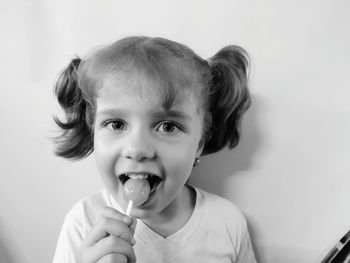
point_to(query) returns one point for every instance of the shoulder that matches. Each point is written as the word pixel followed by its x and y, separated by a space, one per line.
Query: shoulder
pixel 227 222
pixel 86 211
pixel 220 206
pixel 224 213
pixel 77 222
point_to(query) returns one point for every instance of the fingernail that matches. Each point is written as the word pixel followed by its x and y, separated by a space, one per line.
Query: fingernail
pixel 127 220
pixel 133 241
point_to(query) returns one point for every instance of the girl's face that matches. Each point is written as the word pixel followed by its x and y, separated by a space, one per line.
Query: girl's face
pixel 135 134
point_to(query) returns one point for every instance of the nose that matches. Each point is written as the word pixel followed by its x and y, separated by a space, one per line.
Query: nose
pixel 138 146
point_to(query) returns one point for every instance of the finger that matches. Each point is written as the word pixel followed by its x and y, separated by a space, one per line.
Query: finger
pixel 113 213
pixel 108 226
pixel 111 245
pixel 132 226
pixel 114 258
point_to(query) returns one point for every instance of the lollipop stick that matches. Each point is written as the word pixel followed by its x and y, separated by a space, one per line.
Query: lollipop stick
pixel 128 210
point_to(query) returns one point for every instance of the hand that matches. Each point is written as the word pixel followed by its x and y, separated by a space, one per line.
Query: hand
pixel 111 236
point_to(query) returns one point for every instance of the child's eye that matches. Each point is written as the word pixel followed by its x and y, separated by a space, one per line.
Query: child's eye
pixel 115 125
pixel 168 127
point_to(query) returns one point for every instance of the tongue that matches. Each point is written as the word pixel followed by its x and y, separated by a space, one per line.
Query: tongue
pixel 136 190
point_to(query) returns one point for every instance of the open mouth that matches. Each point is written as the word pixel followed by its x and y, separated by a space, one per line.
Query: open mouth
pixel 152 179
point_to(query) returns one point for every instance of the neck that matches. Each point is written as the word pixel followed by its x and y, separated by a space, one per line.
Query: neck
pixel 175 215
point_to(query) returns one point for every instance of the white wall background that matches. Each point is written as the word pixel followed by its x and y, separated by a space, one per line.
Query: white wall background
pixel 290 173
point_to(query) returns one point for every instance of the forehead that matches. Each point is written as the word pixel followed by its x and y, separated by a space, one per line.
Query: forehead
pixel 124 87
pixel 163 90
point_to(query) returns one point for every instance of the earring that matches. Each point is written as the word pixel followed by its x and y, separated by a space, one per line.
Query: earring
pixel 196 161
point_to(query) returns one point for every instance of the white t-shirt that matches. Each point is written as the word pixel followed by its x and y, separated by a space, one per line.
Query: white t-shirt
pixel 216 232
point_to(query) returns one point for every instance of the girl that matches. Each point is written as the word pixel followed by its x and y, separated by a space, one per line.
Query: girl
pixel 149 108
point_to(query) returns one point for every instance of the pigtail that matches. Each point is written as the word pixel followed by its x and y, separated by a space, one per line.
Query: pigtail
pixel 76 141
pixel 229 97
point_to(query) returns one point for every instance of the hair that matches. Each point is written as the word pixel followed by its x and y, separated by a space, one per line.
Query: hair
pixel 220 83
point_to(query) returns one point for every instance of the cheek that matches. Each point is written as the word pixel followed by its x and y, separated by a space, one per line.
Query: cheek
pixel 105 162
pixel 181 160
pixel 104 153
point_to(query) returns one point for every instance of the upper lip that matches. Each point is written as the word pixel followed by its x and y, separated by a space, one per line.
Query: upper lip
pixel 140 172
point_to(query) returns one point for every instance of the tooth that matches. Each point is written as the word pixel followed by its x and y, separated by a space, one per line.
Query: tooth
pixel 138 176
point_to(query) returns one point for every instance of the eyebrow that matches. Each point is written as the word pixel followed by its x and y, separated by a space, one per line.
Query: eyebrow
pixel 156 114
pixel 173 114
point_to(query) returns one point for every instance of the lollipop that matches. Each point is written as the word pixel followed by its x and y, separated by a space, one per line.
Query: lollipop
pixel 136 191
